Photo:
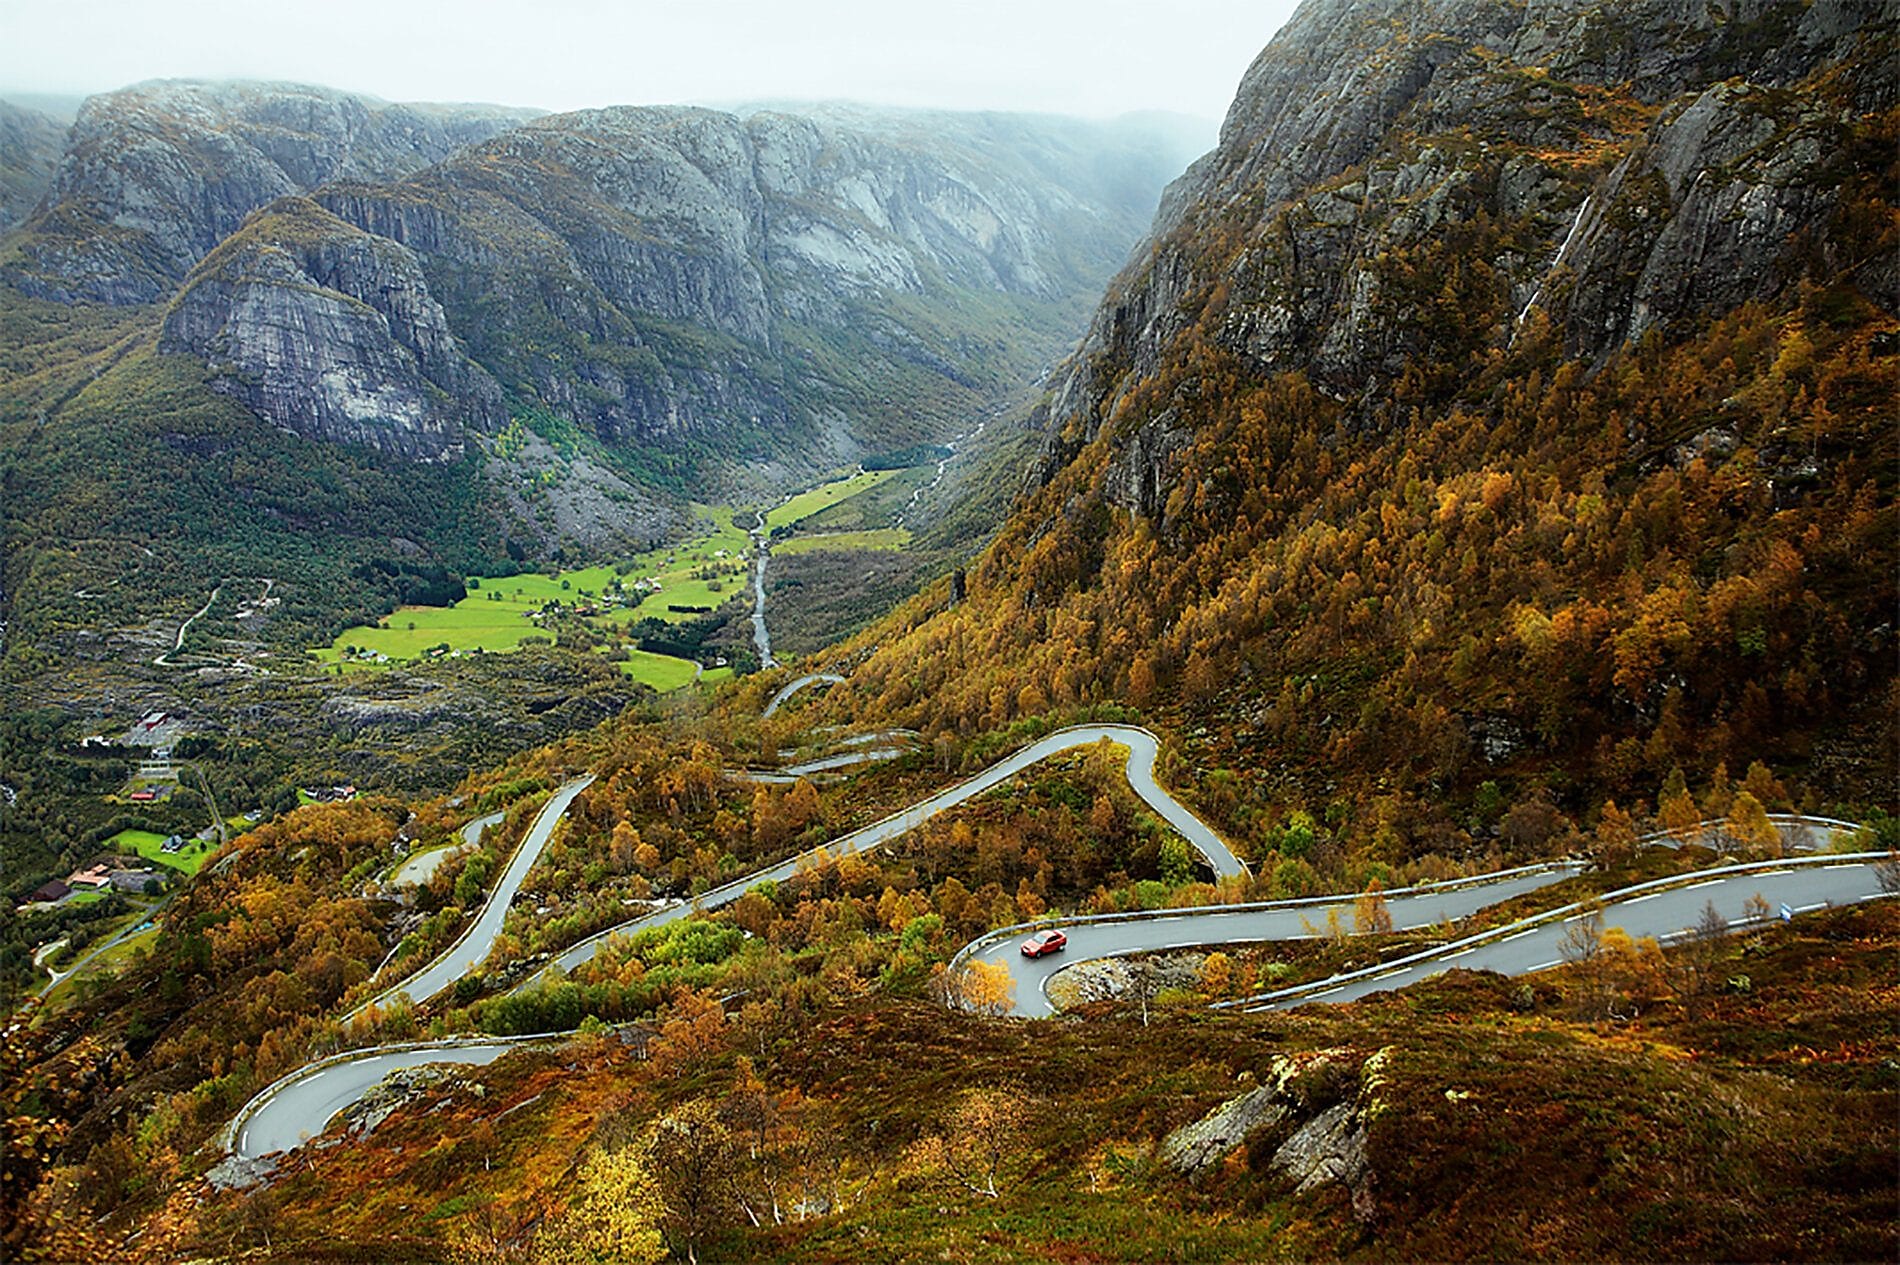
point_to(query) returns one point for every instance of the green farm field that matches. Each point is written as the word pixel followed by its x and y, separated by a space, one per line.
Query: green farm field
pixel 661 671
pixel 150 845
pixel 880 538
pixel 826 495
pixel 697 575
pixel 493 617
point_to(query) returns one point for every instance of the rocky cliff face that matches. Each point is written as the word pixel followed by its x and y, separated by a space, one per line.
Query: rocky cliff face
pixel 29 151
pixel 762 291
pixel 1464 403
pixel 1611 168
pixel 331 332
pixel 155 175
pixel 796 289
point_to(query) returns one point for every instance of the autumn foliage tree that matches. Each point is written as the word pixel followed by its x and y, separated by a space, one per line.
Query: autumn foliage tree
pixel 1369 913
pixel 981 1138
pixel 613 1215
pixel 982 988
pixel 689 1153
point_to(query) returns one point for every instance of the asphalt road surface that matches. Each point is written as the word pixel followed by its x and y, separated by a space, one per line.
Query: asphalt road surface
pixel 300 1109
pixel 1212 927
pixel 1659 914
pixel 1142 747
pixel 793 687
pixel 472 949
pixel 419 869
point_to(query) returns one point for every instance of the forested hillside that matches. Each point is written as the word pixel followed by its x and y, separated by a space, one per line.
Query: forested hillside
pixel 1481 485
pixel 1472 438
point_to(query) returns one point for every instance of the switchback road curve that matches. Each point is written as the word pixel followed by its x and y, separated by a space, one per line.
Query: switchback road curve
pixel 301 1105
pixel 471 949
pixel 1281 920
pixel 1143 747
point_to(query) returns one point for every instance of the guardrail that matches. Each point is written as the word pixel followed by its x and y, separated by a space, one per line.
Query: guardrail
pixel 1785 824
pixel 848 843
pixel 228 1136
pixel 399 988
pixel 1605 900
pixel 1002 934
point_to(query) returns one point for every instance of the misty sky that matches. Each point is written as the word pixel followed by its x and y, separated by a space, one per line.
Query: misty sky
pixel 1089 57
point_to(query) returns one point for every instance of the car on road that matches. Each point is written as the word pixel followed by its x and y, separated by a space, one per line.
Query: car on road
pixel 1051 941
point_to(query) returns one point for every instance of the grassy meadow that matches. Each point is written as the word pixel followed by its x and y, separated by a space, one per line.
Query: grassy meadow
pixel 150 845
pixel 826 495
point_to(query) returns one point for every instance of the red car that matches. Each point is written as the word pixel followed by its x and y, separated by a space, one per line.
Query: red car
pixel 1044 942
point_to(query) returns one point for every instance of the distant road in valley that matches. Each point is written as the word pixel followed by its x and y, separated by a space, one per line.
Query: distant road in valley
pixel 811 678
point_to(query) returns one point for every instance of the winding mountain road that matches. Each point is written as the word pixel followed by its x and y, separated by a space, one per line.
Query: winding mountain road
pixel 810 678
pixel 1645 910
pixel 301 1105
pixel 472 948
pixel 1142 750
pixel 1286 920
pixel 298 1108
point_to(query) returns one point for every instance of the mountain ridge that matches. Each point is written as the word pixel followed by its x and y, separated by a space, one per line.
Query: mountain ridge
pixel 1450 427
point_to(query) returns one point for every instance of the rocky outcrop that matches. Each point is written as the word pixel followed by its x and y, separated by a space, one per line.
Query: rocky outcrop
pixel 155 175
pixel 332 333
pixel 402 1088
pixel 1313 1110
pixel 1414 182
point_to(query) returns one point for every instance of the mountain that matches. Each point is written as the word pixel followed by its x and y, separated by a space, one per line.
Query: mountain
pixel 29 149
pixel 791 290
pixel 678 301
pixel 153 176
pixel 265 332
pixel 1509 395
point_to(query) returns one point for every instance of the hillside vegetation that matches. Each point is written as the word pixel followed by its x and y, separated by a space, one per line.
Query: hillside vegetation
pixel 1349 484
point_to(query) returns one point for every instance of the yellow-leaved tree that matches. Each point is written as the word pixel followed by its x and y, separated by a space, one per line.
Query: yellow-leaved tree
pixel 982 988
pixel 1748 823
pixel 1369 915
pixel 613 1215
pixel 984 1134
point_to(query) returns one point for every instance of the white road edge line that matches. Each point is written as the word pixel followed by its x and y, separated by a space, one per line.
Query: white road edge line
pixel 1544 967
